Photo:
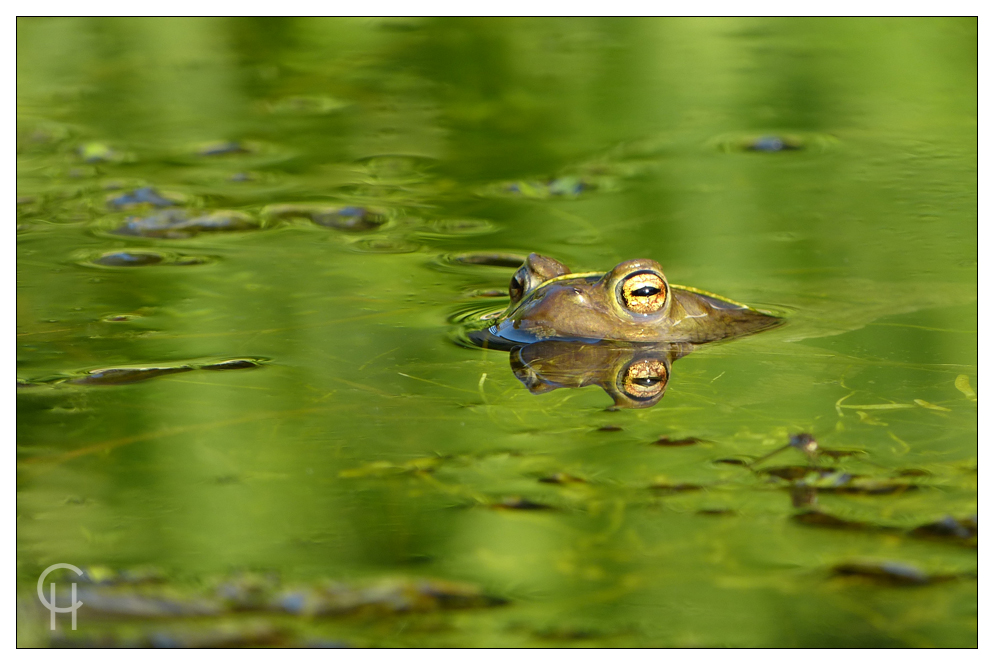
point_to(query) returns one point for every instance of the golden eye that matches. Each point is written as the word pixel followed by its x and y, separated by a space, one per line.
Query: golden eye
pixel 644 379
pixel 644 292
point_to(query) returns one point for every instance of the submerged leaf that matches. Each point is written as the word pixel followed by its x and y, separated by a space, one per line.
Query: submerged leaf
pixel 963 385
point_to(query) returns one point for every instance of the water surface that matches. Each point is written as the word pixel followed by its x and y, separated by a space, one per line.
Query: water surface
pixel 362 444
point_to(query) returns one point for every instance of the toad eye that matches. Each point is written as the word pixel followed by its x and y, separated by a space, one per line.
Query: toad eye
pixel 644 379
pixel 516 289
pixel 643 292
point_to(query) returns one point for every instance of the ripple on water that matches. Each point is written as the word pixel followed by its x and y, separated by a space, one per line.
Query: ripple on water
pixel 341 217
pixel 116 376
pixel 474 262
pixel 176 223
pixel 143 197
pixel 469 320
pixel 442 229
pixel 384 245
pixel 773 142
pixel 140 258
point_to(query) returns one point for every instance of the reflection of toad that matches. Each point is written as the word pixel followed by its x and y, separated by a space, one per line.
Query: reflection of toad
pixel 634 375
pixel 631 303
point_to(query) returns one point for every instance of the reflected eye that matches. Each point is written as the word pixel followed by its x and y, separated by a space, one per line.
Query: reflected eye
pixel 643 292
pixel 644 379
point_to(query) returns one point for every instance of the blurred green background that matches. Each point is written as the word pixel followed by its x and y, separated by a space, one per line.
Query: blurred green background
pixel 313 466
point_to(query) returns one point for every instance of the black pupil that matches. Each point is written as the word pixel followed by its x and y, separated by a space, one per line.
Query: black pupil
pixel 515 286
pixel 647 381
pixel 645 292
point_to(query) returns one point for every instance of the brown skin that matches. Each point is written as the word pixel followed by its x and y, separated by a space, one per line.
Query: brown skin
pixel 631 303
pixel 634 375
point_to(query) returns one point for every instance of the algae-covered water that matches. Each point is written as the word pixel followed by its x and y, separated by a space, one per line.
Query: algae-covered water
pixel 287 222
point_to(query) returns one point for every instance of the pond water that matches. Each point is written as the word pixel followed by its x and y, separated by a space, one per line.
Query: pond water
pixel 313 206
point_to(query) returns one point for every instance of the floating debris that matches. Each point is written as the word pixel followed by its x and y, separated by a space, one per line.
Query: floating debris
pixel 248 591
pixel 223 148
pixel 803 442
pixel 773 144
pixel 828 479
pixel 97 151
pixel 963 385
pixel 928 405
pixel 668 488
pixel 668 442
pixel 822 519
pixel 236 363
pixel 110 577
pixel 121 259
pixel 717 512
pixel 114 376
pixel 518 503
pixel 850 484
pixel 122 376
pixel 345 218
pixel 561 478
pixel 133 595
pixel 141 196
pixel 912 473
pixel 143 258
pixel 949 529
pixel 387 597
pixel 569 186
pixel 838 453
pixel 803 496
pixel 225 636
pixel 886 572
pixel 146 604
pixel 796 472
pixel 178 224
pixel 306 105
pixel 385 468
pixel 733 461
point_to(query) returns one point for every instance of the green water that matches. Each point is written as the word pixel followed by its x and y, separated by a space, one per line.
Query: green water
pixel 370 446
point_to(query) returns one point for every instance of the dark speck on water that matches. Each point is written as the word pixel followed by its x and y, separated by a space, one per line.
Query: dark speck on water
pixel 887 572
pixel 950 529
pixel 223 148
pixel 772 144
pixel 127 259
pixel 519 503
pixel 732 461
pixel 560 478
pixel 495 259
pixel 674 488
pixel 240 363
pixel 666 441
